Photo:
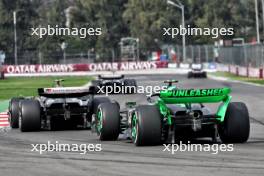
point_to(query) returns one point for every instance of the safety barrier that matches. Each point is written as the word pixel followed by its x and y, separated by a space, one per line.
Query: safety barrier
pixel 241 71
pixel 76 69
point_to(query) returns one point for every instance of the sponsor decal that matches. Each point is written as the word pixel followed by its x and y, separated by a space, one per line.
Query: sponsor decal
pixel 65 90
pixel 38 68
pixel 122 66
pixel 196 93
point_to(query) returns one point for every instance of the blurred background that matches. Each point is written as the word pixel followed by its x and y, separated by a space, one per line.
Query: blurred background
pixel 132 31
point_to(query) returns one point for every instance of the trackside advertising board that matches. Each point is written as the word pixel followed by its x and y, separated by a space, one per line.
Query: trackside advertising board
pixel 122 66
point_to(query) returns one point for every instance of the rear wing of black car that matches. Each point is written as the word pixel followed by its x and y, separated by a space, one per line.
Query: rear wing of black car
pixel 66 92
pixel 111 77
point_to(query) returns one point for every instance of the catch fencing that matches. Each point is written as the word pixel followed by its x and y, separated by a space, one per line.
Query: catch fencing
pixel 247 55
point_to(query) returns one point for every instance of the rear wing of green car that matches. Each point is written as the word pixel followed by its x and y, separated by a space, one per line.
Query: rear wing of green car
pixel 186 96
pixel 177 96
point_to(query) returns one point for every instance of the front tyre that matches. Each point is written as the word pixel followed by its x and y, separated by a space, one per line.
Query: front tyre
pixel 108 121
pixel 29 119
pixel 236 126
pixel 146 126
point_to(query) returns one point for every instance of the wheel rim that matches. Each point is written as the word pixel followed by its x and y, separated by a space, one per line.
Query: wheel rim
pixel 99 124
pixel 134 130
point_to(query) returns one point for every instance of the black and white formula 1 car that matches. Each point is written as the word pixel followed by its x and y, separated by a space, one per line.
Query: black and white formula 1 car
pixel 114 84
pixel 197 71
pixel 55 109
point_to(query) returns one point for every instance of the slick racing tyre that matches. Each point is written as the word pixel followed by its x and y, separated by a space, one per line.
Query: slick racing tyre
pixel 108 121
pixel 97 101
pixel 236 126
pixel 14 111
pixel 130 86
pixel 146 126
pixel 29 119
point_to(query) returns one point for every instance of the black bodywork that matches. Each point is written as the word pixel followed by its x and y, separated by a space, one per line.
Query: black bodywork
pixel 108 84
pixel 197 71
pixel 55 108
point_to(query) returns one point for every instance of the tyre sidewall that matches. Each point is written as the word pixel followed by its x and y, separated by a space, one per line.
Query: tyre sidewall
pixel 97 101
pixel 148 125
pixel 110 121
pixel 236 126
pixel 30 119
pixel 14 112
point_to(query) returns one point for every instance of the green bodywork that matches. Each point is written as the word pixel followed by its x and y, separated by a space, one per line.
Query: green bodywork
pixel 99 124
pixel 185 97
pixel 134 126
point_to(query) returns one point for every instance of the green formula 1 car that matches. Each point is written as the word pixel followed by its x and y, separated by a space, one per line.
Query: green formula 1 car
pixel 175 114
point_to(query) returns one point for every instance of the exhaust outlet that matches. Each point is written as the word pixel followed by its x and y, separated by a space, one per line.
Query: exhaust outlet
pixel 196 122
pixel 196 115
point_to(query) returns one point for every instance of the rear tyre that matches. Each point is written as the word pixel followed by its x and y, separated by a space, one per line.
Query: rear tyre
pixel 130 86
pixel 29 119
pixel 14 112
pixel 108 121
pixel 94 107
pixel 236 126
pixel 97 101
pixel 146 126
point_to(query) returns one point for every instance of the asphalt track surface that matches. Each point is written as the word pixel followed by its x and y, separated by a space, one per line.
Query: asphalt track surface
pixel 123 158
